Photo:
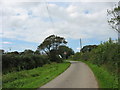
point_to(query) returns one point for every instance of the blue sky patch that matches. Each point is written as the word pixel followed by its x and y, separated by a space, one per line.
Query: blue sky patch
pixel 18 45
pixel 86 12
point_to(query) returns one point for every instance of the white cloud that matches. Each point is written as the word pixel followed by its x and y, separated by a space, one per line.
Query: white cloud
pixel 61 0
pixel 71 8
pixel 7 42
pixel 30 21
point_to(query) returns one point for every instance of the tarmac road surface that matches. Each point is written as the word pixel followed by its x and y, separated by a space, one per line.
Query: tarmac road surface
pixel 78 75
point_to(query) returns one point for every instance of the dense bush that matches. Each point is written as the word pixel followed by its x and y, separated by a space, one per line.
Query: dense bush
pixel 81 56
pixel 106 54
pixel 88 48
pixel 11 62
pixel 65 51
pixel 54 57
pixel 76 56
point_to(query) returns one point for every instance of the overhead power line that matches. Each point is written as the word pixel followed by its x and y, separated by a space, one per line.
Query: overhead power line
pixel 50 17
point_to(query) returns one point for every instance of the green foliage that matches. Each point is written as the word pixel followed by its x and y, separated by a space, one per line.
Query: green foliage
pixel 85 53
pixel 105 79
pixel 37 52
pixel 88 48
pixel 11 62
pixel 64 49
pixel 50 45
pixel 80 56
pixel 106 55
pixel 76 56
pixel 28 51
pixel 54 56
pixel 34 78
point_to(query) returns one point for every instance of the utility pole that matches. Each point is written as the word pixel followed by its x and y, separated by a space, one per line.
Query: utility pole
pixel 9 48
pixel 119 26
pixel 80 44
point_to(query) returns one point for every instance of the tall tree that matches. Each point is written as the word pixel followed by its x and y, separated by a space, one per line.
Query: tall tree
pixel 51 44
pixel 88 48
pixel 114 20
pixel 65 51
pixel 28 51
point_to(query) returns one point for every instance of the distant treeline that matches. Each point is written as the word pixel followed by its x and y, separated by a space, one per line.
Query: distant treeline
pixel 28 59
pixel 17 61
pixel 52 49
pixel 106 54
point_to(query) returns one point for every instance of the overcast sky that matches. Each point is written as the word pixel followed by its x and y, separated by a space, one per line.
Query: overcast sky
pixel 26 24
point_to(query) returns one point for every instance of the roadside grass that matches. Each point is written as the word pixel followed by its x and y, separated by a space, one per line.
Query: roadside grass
pixel 34 78
pixel 105 79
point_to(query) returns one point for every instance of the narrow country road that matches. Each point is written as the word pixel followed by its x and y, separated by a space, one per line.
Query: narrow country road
pixel 78 75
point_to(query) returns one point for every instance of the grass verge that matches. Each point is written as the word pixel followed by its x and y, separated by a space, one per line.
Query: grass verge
pixel 34 78
pixel 104 78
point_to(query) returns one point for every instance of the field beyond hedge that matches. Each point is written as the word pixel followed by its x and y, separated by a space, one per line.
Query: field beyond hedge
pixel 34 78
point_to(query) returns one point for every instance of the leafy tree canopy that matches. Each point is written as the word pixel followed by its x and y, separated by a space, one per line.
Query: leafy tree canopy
pixel 28 51
pixel 51 45
pixel 65 51
pixel 88 48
